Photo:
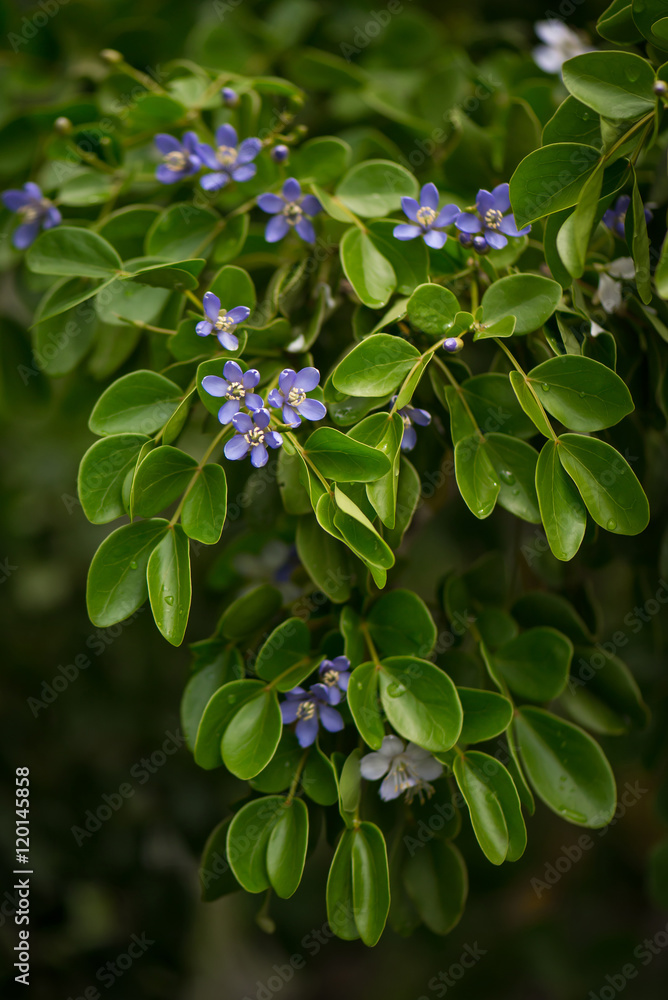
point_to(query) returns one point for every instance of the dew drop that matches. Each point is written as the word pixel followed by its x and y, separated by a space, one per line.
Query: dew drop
pixel 582 395
pixel 611 525
pixel 169 599
pixel 507 477
pixel 545 387
pixel 574 817
pixel 133 564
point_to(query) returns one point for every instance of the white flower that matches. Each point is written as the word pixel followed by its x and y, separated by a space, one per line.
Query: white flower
pixel 609 290
pixel 561 43
pixel 408 769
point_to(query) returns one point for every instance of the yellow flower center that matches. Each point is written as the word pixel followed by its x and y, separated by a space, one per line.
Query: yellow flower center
pixel 255 436
pixel 176 160
pixel 493 218
pixel 306 710
pixel 296 396
pixel 330 677
pixel 224 322
pixel 235 390
pixel 292 212
pixel 426 216
pixel 226 155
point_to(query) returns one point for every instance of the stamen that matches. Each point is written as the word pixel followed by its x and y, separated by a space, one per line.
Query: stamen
pixel 235 390
pixel 425 216
pixel 226 155
pixel 306 710
pixel 176 160
pixel 296 396
pixel 254 437
pixel 330 677
pixel 292 213
pixel 493 218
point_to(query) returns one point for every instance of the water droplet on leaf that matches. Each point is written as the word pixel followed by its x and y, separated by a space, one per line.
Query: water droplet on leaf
pixel 611 525
pixel 507 477
pixel 133 564
pixel 169 599
pixel 545 387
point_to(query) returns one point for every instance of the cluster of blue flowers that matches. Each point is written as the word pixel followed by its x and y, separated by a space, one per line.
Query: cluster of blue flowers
pixel 482 230
pixel 250 416
pixel 309 709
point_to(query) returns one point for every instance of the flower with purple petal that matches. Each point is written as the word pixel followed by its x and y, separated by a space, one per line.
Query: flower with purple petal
pixel 228 162
pixel 230 97
pixel 180 159
pixel 33 209
pixel 615 218
pixel 308 709
pixel 236 387
pixel 410 415
pixel 426 220
pixel 408 768
pixel 221 322
pixel 252 435
pixel 494 219
pixel 291 209
pixel 335 674
pixel 291 396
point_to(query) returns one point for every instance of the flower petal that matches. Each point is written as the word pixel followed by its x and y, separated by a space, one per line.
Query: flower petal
pixel 259 456
pixel 406 232
pixel 273 439
pixel 14 199
pixel 167 176
pixel 211 304
pixel 291 417
pixel 291 189
pixel 286 380
pixel 207 155
pixel 331 719
pixel 248 150
pixel 232 371
pixel 391 746
pixel 243 423
pixel 270 203
pixel 495 240
pixel 25 235
pixel 409 439
pixel 34 192
pixel 501 195
pixel 236 448
pixel 226 135
pixel 276 229
pixel 508 226
pixel 428 769
pixel 311 205
pixel 215 385
pixel 167 143
pixel 435 240
pixel 52 218
pixel 466 222
pixel 253 401
pixel 373 766
pixel 250 378
pixel 306 379
pixel 484 201
pixel 214 182
pixel 261 418
pixel 238 314
pixel 289 710
pixel 204 328
pixel 410 208
pixel 228 340
pixel 447 215
pixel 313 409
pixel 228 411
pixel 429 196
pixel 276 398
pixel 244 173
pixel 421 417
pixel 306 731
pixel 305 230
pixel 390 789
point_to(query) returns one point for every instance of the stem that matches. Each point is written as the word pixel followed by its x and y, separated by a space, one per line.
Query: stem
pixel 370 644
pixel 458 389
pixel 297 777
pixel 295 443
pixel 194 300
pixel 424 356
pixel 529 385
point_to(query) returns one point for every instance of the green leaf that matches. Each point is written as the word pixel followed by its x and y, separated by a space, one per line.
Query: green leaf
pixel 215 664
pixel 638 240
pixel 281 769
pixel 250 612
pixel 566 768
pixel 182 231
pixel 376 187
pixel 72 250
pixel 400 624
pixel 252 735
pixel 602 693
pixel 612 494
pixel 491 400
pixel 160 479
pixel 486 714
pixel 359 534
pixel 384 433
pixel 562 512
pixel 420 702
pixel 350 785
pixel 364 705
pixel 616 23
pixel 408 496
pixel 573 122
pixel 318 778
pixel 476 477
pixel 370 274
pixel 535 664
pixel 529 403
pixel 126 229
pixel 248 838
pixel 371 882
pixel 550 179
pixel 179 276
pixel 580 392
pixel 538 607
pixel 234 287
pixel 514 464
pixel 61 341
pixel 321 160
pixel 530 298
pixel 432 309
pixel 436 881
pixel 409 260
pixel 169 586
pixel 141 402
pixel 326 561
pixel 284 656
pixel 339 457
pixel 216 716
pixel 205 507
pixel 615 84
pixel 286 849
pixel 102 473
pixel 494 805
pixel 376 366
pixel 117 576
pixel 340 905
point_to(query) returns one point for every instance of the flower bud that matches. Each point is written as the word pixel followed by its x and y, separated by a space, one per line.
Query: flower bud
pixel 230 97
pixel 63 125
pixel 111 56
pixel 453 345
pixel 660 88
pixel 279 154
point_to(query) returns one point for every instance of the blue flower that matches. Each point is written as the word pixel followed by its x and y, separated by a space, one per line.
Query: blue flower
pixel 252 435
pixel 335 674
pixel 33 209
pixel 426 218
pixel 308 709
pixel 291 396
pixel 290 209
pixel 236 388
pixel 228 162
pixel 180 158
pixel 408 768
pixel 221 322
pixel 410 415
pixel 615 218
pixel 230 97
pixel 493 219
pixel 279 154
